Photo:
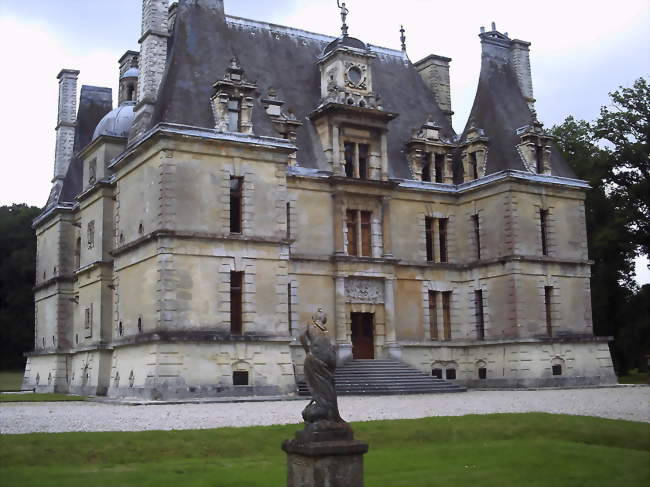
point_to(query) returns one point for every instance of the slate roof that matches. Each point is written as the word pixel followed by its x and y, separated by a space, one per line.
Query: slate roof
pixel 94 103
pixel 500 108
pixel 204 41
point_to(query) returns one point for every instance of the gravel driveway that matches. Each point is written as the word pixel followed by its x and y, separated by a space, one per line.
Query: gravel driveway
pixel 631 403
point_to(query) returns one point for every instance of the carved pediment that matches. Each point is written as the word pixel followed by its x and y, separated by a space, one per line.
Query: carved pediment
pixel 360 290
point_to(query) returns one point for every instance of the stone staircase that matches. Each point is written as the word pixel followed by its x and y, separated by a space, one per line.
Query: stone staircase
pixel 384 377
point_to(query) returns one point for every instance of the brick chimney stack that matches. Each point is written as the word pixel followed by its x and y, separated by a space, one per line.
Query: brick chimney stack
pixel 153 57
pixel 66 122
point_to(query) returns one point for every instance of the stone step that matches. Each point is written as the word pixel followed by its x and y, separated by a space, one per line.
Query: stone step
pixel 379 377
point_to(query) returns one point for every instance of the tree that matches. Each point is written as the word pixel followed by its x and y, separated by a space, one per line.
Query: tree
pixel 17 272
pixel 612 155
pixel 626 128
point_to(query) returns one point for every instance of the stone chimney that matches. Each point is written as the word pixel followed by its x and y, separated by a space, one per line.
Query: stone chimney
pixel 434 70
pixel 499 46
pixel 520 52
pixel 66 122
pixel 153 57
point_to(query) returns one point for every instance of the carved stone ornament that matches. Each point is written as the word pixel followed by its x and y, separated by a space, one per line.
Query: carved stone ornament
pixel 355 76
pixel 364 290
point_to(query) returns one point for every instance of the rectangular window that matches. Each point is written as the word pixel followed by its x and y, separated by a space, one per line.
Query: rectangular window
pixel 436 373
pixel 366 234
pixel 363 161
pixel 442 233
pixel 239 378
pixel 543 221
pixel 426 167
pixel 440 168
pixel 357 160
pixel 349 159
pixel 234 111
pixel 539 158
pixel 473 162
pixel 480 318
pixel 236 187
pixel 450 374
pixel 92 172
pixel 90 231
pixel 236 302
pixel 548 296
pixel 446 314
pixel 428 231
pixel 359 225
pixel 289 308
pixel 288 221
pixel 557 369
pixel 477 235
pixel 482 373
pixel 433 314
pixel 88 321
pixel 353 236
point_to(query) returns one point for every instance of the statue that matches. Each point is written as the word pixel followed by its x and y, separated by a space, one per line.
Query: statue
pixel 320 365
pixel 325 452
pixel 344 16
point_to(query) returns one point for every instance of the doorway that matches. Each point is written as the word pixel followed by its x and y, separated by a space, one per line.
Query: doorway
pixel 363 335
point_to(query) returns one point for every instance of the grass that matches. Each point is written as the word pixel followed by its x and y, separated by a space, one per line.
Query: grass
pixel 11 380
pixel 29 397
pixel 634 377
pixel 532 449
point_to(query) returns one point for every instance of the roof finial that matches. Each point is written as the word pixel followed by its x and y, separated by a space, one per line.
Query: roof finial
pixel 403 38
pixel 344 16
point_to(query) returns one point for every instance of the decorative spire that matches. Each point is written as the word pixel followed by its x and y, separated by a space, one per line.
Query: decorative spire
pixel 344 16
pixel 403 38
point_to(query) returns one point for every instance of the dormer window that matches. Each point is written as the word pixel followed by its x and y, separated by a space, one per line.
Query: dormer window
pixel 440 168
pixel 92 172
pixel 539 159
pixel 426 168
pixel 234 115
pixel 473 162
pixel 356 160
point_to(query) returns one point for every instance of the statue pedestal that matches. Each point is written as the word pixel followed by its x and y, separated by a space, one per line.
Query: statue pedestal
pixel 325 455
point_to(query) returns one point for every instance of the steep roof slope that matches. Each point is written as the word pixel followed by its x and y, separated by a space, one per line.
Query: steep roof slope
pixel 204 41
pixel 500 108
pixel 94 103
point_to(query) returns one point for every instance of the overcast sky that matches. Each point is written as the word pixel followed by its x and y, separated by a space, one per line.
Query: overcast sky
pixel 581 50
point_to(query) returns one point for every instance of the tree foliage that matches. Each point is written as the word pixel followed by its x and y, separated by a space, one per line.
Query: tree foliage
pixel 612 155
pixel 17 271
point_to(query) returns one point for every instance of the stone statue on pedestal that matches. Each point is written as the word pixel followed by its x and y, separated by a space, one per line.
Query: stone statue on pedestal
pixel 324 453
pixel 320 365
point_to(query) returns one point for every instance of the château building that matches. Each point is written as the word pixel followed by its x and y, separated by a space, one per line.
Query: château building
pixel 253 173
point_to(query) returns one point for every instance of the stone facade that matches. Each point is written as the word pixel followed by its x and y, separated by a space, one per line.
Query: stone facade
pixel 191 256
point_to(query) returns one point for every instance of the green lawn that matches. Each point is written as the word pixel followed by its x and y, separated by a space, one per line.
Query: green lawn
pixel 11 380
pixel 493 450
pixel 29 397
pixel 634 377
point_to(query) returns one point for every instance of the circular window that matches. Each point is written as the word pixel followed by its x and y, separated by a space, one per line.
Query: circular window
pixel 355 75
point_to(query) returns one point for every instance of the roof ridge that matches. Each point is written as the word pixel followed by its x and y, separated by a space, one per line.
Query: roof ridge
pixel 233 19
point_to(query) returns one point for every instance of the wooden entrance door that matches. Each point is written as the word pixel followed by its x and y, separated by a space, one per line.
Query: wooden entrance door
pixel 363 335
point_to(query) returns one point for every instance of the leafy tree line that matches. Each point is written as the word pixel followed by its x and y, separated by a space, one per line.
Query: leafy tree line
pixel 612 154
pixel 17 272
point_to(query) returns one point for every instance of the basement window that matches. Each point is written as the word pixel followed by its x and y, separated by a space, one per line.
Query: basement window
pixel 450 374
pixel 240 378
pixel 557 369
pixel 436 373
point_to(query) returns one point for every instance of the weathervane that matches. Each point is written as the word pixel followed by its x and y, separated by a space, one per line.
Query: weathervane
pixel 403 38
pixel 344 16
